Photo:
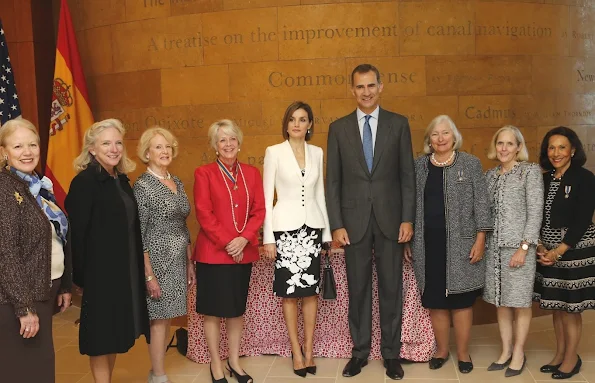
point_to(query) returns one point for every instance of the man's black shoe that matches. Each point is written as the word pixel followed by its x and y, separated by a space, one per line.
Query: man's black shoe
pixel 354 367
pixel 394 369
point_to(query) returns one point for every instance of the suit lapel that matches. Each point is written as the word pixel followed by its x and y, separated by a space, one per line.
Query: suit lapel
pixel 382 134
pixel 352 133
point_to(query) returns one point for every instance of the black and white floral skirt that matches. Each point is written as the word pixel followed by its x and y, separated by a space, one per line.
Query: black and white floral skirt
pixel 297 268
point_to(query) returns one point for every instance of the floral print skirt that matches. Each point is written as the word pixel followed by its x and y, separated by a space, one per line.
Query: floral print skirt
pixel 297 268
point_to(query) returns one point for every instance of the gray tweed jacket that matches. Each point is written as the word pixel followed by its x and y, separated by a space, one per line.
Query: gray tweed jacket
pixel 518 220
pixel 467 212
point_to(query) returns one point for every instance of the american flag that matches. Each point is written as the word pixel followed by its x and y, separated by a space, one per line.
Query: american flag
pixel 9 101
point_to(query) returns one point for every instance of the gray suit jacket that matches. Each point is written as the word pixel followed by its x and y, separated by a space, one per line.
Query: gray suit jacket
pixel 353 191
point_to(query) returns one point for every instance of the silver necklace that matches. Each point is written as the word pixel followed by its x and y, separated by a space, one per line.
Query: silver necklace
pixel 233 214
pixel 167 177
pixel 433 156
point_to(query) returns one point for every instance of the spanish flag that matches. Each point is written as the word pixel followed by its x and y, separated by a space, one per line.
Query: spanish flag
pixel 71 111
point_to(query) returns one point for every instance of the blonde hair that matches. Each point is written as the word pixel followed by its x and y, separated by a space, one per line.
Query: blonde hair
pixel 458 138
pixel 145 142
pixel 83 160
pixel 227 127
pixel 522 155
pixel 9 128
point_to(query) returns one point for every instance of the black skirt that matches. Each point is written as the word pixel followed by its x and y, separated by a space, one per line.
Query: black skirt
pixel 222 290
pixel 434 296
pixel 297 268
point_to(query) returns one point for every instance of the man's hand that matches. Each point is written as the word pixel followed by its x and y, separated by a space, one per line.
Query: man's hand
pixel 340 236
pixel 407 253
pixel 405 232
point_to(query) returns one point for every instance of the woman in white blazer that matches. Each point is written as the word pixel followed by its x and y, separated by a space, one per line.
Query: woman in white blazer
pixel 297 226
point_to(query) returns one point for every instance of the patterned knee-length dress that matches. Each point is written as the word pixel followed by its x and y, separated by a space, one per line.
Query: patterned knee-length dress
pixel 568 284
pixel 166 237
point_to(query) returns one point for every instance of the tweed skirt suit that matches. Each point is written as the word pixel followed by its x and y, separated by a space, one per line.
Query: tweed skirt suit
pixel 516 200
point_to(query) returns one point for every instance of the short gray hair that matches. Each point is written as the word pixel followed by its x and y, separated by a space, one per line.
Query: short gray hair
pixel 226 126
pixel 458 138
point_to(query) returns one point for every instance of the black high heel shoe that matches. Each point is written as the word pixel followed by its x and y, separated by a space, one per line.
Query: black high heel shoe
pixel 240 378
pixel 309 369
pixel 300 372
pixel 222 380
pixel 567 375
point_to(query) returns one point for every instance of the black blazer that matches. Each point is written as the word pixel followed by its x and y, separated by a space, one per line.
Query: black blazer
pixel 576 211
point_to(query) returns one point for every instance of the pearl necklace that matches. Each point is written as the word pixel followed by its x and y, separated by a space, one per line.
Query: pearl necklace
pixel 557 178
pixel 167 177
pixel 233 214
pixel 433 157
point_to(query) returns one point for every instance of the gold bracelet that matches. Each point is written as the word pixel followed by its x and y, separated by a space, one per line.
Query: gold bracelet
pixel 149 278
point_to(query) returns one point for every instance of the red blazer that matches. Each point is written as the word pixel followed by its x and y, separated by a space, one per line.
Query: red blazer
pixel 213 212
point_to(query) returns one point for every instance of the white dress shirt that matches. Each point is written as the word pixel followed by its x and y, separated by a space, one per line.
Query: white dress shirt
pixel 361 120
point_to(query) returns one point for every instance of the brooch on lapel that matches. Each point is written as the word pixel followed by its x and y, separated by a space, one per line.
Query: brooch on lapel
pixel 18 197
pixel 567 190
pixel 460 175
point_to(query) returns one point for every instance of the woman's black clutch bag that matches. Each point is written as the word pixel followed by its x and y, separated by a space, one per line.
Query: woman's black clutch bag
pixel 329 288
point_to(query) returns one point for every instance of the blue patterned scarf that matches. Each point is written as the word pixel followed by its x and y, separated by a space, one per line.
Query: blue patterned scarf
pixel 49 206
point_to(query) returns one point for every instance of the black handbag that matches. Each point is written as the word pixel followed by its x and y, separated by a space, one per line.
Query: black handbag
pixel 329 288
pixel 181 345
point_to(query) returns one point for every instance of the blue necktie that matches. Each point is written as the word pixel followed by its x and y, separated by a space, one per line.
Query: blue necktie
pixel 367 141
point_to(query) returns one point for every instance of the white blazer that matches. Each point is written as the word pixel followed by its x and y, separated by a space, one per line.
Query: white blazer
pixel 300 199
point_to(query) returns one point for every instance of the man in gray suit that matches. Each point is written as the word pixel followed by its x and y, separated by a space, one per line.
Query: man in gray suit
pixel 371 205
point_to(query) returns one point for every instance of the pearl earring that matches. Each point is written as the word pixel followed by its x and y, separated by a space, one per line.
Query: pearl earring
pixel 239 149
pixel 308 131
pixel 147 156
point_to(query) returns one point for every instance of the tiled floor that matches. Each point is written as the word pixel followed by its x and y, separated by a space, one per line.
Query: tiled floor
pixel 132 367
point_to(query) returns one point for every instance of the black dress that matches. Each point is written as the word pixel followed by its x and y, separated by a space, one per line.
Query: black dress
pixel 435 295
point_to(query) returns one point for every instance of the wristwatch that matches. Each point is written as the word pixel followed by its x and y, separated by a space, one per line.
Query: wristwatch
pixel 525 246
